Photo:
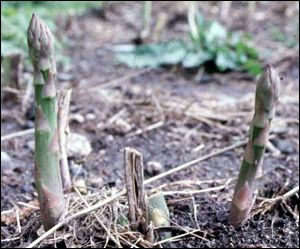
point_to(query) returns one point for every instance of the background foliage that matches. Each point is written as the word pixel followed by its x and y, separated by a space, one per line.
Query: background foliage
pixel 15 17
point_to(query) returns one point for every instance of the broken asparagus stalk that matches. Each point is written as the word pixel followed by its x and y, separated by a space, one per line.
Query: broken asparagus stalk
pixel 64 98
pixel 267 94
pixel 134 176
pixel 46 162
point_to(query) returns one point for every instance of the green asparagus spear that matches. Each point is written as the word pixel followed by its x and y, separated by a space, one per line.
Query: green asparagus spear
pixel 267 94
pixel 46 162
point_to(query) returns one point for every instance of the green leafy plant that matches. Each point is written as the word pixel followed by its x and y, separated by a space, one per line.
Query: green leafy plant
pixel 14 16
pixel 209 42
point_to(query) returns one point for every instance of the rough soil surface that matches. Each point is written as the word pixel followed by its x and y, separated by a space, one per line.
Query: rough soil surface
pixel 213 113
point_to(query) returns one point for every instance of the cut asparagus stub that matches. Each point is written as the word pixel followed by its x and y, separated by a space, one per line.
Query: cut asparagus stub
pixel 158 211
pixel 46 170
pixel 134 177
pixel 267 94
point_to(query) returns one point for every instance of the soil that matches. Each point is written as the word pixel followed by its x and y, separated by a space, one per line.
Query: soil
pixel 214 112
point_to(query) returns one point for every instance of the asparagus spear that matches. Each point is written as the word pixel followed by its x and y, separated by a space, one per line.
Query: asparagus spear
pixel 46 162
pixel 267 94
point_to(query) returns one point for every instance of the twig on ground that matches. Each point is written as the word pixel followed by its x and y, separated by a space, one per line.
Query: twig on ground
pixel 112 119
pixel 178 237
pixel 149 128
pixel 193 192
pixel 18 219
pixel 7 212
pixel 17 134
pixel 189 183
pixel 12 90
pixel 30 204
pixel 10 239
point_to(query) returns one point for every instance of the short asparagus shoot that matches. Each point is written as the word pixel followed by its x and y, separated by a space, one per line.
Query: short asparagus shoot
pixel 267 95
pixel 158 212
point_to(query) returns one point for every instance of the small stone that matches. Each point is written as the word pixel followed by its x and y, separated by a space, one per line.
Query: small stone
pixel 154 168
pixel 25 188
pixel 5 158
pixel 31 145
pixel 122 125
pixel 78 145
pixel 109 139
pixel 284 145
pixel 101 153
pixel 100 125
pixel 96 182
pixel 90 116
pixel 29 124
pixel 77 118
pixel 81 186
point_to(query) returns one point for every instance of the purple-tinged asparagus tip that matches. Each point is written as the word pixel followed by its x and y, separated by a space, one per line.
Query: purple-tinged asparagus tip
pixel 270 76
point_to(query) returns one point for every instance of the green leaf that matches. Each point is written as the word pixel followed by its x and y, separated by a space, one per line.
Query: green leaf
pixel 154 55
pixel 253 67
pixel 226 60
pixel 196 58
pixel 215 36
pixel 244 49
pixel 200 21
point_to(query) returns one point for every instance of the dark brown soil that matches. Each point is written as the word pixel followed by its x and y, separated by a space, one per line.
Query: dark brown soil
pixel 166 95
